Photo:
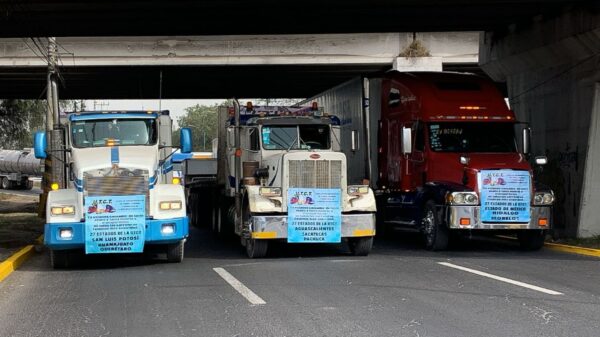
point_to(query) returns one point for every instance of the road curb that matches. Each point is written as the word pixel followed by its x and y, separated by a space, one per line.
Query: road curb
pixel 13 262
pixel 559 247
pixel 572 249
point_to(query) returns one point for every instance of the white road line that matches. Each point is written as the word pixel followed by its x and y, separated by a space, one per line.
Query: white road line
pixel 502 279
pixel 239 287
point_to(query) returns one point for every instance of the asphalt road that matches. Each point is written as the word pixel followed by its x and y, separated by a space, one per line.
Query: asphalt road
pixel 399 290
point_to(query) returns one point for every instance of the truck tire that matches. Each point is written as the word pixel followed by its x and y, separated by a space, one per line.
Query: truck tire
pixel 434 230
pixel 191 204
pixel 360 246
pixel 68 258
pixel 28 185
pixel 175 252
pixel 5 183
pixel 255 249
pixel 531 239
pixel 217 218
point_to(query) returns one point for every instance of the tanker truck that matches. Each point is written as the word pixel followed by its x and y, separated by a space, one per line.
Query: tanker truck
pixel 16 167
pixel 120 196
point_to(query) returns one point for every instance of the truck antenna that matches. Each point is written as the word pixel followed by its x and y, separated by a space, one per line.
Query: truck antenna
pixel 160 92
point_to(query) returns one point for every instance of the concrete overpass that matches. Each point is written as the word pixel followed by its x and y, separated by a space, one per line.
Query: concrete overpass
pixel 220 66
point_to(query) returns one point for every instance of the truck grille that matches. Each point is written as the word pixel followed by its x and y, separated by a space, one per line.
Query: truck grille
pixel 100 186
pixel 315 173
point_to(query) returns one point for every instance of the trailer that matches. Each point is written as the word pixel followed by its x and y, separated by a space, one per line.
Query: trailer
pixel 280 175
pixel 441 152
pixel 17 167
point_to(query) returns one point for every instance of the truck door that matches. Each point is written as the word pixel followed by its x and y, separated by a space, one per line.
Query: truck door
pixel 416 159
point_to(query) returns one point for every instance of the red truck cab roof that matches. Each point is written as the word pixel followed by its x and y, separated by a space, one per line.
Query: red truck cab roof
pixel 445 96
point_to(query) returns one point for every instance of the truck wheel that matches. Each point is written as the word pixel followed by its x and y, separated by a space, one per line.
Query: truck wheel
pixel 175 252
pixel 436 234
pixel 61 259
pixel 256 248
pixel 5 183
pixel 531 239
pixel 216 219
pixel 360 246
pixel 192 209
pixel 29 185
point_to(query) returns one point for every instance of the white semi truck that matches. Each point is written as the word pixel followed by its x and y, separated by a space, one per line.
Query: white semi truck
pixel 280 175
pixel 120 195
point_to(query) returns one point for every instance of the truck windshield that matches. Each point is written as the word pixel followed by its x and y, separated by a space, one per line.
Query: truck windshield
pixel 96 133
pixel 472 137
pixel 297 137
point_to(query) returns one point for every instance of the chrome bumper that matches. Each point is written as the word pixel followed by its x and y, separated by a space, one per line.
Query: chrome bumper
pixel 275 226
pixel 456 213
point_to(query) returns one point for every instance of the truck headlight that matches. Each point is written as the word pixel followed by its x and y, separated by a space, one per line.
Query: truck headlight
pixel 270 191
pixel 358 189
pixel 543 198
pixel 169 205
pixel 463 198
pixel 62 210
pixel 65 233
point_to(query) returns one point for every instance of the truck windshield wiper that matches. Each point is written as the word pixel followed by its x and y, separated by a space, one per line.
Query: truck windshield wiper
pixel 292 144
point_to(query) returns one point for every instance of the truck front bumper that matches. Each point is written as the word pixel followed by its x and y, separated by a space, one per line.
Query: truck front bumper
pixel 153 235
pixel 470 218
pixel 275 226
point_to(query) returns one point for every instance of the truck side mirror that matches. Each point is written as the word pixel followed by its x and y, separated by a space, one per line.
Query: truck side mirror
pixel 526 140
pixel 39 145
pixel 406 140
pixel 185 138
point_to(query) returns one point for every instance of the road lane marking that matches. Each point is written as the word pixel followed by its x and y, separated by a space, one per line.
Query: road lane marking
pixel 502 279
pixel 239 287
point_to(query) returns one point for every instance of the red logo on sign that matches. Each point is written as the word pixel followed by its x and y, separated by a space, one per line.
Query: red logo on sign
pixel 315 156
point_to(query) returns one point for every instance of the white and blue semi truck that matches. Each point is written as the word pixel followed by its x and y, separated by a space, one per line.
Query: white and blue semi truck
pixel 120 195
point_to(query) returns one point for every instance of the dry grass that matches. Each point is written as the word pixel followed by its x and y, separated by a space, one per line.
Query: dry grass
pixel 19 229
pixel 415 49
pixel 19 223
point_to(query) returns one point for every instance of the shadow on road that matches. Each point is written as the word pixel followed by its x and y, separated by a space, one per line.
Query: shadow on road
pixel 202 244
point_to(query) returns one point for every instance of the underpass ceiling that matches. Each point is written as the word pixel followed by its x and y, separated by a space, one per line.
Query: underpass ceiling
pixel 32 18
pixel 225 17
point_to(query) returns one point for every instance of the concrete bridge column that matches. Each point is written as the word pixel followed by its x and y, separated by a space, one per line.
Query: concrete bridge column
pixel 552 70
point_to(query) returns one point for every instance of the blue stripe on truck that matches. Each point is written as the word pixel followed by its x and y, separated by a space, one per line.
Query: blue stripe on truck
pixel 114 154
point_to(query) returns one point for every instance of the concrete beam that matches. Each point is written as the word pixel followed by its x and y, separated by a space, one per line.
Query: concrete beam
pixel 418 64
pixel 325 49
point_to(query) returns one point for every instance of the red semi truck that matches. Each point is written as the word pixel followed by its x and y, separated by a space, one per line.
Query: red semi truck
pixel 441 152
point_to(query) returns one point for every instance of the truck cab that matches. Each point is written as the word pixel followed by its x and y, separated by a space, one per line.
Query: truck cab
pixel 284 152
pixel 444 154
pixel 449 160
pixel 120 195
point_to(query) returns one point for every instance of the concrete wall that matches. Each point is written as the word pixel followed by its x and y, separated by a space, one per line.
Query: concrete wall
pixel 552 70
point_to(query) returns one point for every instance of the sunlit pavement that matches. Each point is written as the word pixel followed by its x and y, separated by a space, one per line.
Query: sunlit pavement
pixel 478 288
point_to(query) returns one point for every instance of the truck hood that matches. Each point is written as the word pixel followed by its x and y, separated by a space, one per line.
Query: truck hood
pixel 490 161
pixel 133 157
pixel 447 167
